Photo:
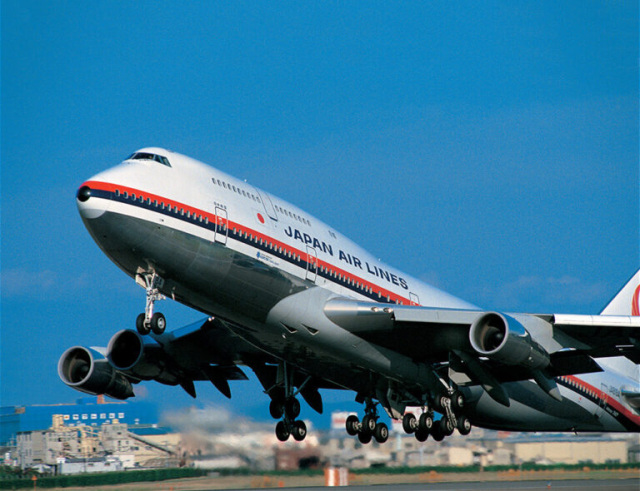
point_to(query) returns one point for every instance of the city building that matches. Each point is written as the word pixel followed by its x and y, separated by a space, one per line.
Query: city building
pixel 140 417
pixel 111 446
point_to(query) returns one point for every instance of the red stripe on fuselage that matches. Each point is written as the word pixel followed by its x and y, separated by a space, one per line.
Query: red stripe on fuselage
pixel 602 396
pixel 376 289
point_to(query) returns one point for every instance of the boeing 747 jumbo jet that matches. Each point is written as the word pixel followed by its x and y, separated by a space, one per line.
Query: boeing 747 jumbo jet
pixel 306 309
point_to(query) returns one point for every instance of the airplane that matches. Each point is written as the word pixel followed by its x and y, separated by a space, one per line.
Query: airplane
pixel 306 309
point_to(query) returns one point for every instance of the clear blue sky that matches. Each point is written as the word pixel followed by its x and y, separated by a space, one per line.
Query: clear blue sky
pixel 490 148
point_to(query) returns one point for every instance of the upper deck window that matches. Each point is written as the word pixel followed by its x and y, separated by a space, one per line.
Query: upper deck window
pixel 150 156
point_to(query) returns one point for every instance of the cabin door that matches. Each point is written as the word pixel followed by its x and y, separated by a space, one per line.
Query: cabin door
pixel 221 226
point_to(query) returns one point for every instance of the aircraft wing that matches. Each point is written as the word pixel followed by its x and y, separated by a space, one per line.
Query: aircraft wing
pixel 559 344
pixel 411 327
pixel 207 350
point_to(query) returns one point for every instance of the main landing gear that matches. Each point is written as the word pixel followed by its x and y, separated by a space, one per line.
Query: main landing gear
pixel 149 320
pixel 369 427
pixel 288 410
pixel 450 407
pixel 286 407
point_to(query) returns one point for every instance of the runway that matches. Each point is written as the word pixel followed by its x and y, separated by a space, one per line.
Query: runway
pixel 564 485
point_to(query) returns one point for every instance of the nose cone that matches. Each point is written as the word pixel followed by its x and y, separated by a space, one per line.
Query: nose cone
pixel 84 193
pixel 90 203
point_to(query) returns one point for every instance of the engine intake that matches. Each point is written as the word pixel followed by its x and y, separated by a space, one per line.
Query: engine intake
pixel 87 370
pixel 502 338
pixel 145 360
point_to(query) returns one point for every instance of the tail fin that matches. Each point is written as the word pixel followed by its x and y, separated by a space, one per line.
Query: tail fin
pixel 627 301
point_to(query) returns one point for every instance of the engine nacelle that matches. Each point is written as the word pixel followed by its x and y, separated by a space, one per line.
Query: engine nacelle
pixel 502 338
pixel 87 370
pixel 145 360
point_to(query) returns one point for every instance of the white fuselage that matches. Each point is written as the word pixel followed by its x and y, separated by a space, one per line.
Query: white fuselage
pixel 231 250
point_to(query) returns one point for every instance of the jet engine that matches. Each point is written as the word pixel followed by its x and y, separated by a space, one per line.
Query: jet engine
pixel 502 338
pixel 87 370
pixel 145 360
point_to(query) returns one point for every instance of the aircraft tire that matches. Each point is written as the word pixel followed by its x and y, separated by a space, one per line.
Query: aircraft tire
pixel 142 328
pixel 292 407
pixel 282 432
pixel 463 425
pixel 299 431
pixel 158 323
pixel 381 433
pixel 437 433
pixel 425 422
pixel 276 409
pixel 457 401
pixel 368 424
pixel 421 435
pixel 365 437
pixel 445 426
pixel 409 423
pixel 352 424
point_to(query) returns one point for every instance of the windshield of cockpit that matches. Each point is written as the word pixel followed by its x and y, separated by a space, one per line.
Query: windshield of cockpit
pixel 149 156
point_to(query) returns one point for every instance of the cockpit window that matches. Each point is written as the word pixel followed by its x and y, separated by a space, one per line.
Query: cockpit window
pixel 149 156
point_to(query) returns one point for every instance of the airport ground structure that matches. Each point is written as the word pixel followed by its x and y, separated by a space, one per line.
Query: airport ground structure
pixel 92 435
pixel 127 436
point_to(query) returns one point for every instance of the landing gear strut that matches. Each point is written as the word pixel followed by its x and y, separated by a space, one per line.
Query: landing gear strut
pixel 149 320
pixel 369 427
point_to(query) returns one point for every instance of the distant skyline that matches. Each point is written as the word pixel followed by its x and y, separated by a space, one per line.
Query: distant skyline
pixel 489 149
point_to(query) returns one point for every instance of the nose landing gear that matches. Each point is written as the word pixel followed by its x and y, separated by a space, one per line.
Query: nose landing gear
pixel 149 320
